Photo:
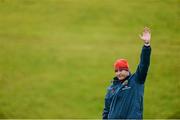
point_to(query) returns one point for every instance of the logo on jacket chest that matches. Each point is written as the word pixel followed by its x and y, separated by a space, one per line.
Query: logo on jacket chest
pixel 126 87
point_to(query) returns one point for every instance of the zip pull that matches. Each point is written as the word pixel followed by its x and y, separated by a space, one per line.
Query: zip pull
pixel 125 82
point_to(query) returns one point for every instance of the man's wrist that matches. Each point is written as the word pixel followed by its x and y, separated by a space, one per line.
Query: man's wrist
pixel 147 43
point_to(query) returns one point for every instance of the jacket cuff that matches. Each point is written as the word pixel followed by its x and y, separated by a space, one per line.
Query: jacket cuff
pixel 146 46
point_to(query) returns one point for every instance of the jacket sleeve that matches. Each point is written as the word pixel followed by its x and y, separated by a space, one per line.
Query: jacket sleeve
pixel 106 106
pixel 143 66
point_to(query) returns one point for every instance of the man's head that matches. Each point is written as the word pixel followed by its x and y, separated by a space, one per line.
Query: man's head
pixel 121 68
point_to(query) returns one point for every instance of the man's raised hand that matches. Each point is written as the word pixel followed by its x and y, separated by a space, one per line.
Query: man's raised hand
pixel 146 36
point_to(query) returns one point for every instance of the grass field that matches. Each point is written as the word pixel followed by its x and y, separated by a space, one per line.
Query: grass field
pixel 56 56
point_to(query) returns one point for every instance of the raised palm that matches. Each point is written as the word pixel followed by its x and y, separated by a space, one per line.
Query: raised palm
pixel 146 35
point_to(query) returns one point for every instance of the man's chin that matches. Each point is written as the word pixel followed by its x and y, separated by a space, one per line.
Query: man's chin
pixel 121 78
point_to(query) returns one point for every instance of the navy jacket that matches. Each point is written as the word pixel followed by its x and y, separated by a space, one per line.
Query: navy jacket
pixel 125 100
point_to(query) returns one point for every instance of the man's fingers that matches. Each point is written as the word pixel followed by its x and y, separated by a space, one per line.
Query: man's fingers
pixel 146 34
pixel 146 29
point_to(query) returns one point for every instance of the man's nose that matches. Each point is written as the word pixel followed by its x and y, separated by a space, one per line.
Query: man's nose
pixel 119 72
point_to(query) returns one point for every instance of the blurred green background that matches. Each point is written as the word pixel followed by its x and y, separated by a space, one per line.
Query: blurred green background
pixel 56 56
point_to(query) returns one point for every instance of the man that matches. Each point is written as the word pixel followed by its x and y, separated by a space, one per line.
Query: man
pixel 124 98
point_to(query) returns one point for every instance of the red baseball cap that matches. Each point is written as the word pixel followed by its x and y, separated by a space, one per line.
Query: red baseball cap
pixel 121 64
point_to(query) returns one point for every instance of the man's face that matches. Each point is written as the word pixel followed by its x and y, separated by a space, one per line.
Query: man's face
pixel 121 74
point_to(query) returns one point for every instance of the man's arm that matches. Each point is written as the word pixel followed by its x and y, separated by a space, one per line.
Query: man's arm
pixel 106 110
pixel 106 106
pixel 143 66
